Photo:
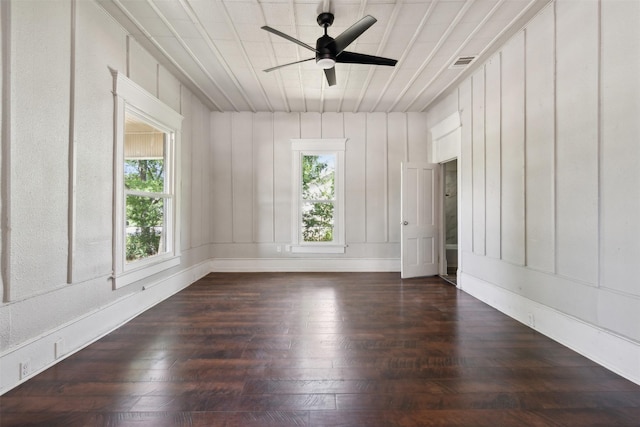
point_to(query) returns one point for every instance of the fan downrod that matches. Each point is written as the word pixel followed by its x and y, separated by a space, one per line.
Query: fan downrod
pixel 325 19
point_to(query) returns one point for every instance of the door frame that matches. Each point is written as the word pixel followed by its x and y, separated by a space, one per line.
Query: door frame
pixel 443 241
pixel 446 144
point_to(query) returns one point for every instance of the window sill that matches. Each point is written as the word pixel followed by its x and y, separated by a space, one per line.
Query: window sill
pixel 146 269
pixel 318 249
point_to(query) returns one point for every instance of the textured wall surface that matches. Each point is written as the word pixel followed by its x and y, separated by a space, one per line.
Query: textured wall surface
pixel 57 258
pixel 550 193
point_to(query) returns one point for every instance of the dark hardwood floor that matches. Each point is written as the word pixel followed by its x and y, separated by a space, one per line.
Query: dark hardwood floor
pixel 337 349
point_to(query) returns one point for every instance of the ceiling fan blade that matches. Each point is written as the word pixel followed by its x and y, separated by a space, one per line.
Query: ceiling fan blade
pixel 360 58
pixel 330 73
pixel 288 37
pixel 286 65
pixel 350 34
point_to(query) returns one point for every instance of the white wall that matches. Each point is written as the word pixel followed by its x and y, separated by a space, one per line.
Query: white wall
pixel 550 183
pixel 252 186
pixel 57 180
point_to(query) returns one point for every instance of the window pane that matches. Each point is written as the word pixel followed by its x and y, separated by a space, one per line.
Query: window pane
pixel 318 177
pixel 145 227
pixel 144 175
pixel 144 153
pixel 317 221
pixel 144 172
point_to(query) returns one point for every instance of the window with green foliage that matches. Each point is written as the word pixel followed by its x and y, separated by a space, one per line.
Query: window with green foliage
pixel 146 198
pixel 147 194
pixel 318 197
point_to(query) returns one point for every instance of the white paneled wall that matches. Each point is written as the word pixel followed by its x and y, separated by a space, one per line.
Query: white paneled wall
pixel 93 223
pixel 550 187
pixel 539 157
pixel 396 153
pixel 285 127
pixel 252 183
pixel 375 170
pixel 58 181
pixel 242 176
pixel 577 57
pixel 466 233
pixel 186 151
pixel 493 161
pixel 222 193
pixel 478 152
pixel 263 166
pixel 44 239
pixel 354 130
pixel 620 152
pixel 510 151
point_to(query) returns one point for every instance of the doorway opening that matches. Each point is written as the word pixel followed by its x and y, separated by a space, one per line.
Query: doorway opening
pixel 450 219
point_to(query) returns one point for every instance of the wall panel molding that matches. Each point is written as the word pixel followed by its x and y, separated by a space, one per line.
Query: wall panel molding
pixel 5 152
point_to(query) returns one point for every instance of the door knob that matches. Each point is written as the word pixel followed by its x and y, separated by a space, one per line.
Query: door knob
pixel 405 222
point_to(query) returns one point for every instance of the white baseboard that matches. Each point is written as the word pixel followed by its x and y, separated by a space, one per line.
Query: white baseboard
pixel 612 351
pixel 242 265
pixel 78 334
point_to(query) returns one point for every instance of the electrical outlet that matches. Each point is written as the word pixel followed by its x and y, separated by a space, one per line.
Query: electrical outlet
pixel 25 368
pixel 58 348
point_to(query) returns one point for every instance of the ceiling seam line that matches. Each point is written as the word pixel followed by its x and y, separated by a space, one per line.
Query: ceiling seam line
pixel 211 44
pixel 416 34
pixel 457 52
pixel 294 26
pixel 163 51
pixel 437 47
pixel 278 77
pixel 243 50
pixel 189 51
pixel 383 42
pixel 363 6
pixel 487 47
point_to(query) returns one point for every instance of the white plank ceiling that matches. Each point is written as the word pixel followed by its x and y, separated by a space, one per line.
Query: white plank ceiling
pixel 217 48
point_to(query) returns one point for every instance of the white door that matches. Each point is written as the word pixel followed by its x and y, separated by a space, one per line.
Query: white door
pixel 419 236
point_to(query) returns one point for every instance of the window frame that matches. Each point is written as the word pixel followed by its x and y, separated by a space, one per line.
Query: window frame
pixel 131 98
pixel 315 147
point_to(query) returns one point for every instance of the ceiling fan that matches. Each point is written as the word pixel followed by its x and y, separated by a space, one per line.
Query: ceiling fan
pixel 329 50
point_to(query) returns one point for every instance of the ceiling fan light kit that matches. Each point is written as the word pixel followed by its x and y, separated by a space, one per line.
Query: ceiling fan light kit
pixel 330 51
pixel 325 63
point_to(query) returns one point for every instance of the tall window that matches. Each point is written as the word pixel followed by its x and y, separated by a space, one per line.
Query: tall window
pixel 145 233
pixel 147 189
pixel 318 167
pixel 318 197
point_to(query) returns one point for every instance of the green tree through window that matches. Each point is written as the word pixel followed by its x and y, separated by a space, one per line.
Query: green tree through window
pixel 146 228
pixel 144 213
pixel 318 197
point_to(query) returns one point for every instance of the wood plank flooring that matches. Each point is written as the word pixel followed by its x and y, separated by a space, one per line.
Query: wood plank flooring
pixel 337 349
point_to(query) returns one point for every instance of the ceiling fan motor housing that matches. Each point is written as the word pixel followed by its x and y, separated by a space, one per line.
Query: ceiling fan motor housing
pixel 325 49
